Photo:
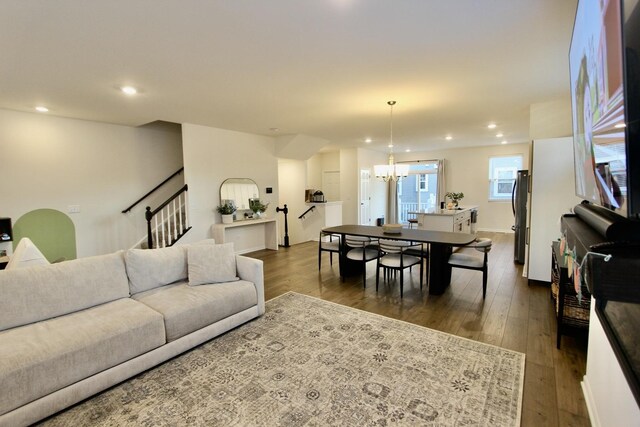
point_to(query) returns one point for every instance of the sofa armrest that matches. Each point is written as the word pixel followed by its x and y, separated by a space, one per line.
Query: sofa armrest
pixel 252 270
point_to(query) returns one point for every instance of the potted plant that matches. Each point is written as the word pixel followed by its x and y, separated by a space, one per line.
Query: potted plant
pixel 226 211
pixel 455 199
pixel 258 208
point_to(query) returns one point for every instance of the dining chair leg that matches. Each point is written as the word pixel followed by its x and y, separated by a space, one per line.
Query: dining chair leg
pixel 426 264
pixel 331 258
pixel 484 282
pixel 377 276
pixel 421 272
pixel 319 259
pixel 364 275
pixel 401 281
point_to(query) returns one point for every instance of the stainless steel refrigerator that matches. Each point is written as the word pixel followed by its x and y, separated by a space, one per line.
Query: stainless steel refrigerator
pixel 519 205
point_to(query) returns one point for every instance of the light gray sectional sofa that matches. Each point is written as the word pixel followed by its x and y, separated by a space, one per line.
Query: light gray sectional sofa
pixel 73 329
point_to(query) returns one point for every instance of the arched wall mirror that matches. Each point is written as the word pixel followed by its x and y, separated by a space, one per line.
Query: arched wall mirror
pixel 239 191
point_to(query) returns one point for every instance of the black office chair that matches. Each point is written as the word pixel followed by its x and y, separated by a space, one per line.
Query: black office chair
pixel 360 249
pixel 332 246
pixel 471 262
pixel 392 256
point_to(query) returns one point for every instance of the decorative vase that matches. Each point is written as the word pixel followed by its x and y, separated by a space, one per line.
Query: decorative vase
pixel 227 219
pixel 257 215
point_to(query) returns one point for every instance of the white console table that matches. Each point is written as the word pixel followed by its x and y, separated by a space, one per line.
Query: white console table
pixel 248 235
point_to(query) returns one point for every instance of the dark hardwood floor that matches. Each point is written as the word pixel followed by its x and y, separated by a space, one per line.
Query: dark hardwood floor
pixel 514 315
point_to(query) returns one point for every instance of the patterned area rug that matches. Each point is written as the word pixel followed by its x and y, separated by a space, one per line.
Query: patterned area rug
pixel 309 362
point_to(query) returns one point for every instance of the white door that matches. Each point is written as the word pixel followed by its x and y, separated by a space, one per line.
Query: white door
pixel 365 199
pixel 331 185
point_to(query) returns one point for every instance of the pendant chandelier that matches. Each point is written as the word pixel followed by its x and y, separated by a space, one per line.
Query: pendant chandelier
pixel 391 171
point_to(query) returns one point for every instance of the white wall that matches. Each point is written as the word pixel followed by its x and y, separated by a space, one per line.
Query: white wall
pixel 51 162
pixel 314 172
pixel 349 178
pixel 467 171
pixel 330 161
pixel 609 399
pixel 292 180
pixel 212 155
pixel 551 119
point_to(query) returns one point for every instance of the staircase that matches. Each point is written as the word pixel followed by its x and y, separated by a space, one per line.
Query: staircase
pixel 168 222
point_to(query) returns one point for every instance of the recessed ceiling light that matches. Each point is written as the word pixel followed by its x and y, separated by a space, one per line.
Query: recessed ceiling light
pixel 499 135
pixel 390 146
pixel 368 140
pixel 42 109
pixel 448 137
pixel 129 90
pixel 504 142
pixel 620 125
pixel 491 125
pixel 408 150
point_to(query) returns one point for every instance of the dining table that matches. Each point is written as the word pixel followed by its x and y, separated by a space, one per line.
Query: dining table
pixel 440 243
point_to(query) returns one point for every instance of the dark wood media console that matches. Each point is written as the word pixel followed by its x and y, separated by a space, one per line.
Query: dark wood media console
pixel 615 285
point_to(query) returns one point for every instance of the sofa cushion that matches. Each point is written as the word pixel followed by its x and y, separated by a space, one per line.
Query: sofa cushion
pixel 43 357
pixel 37 293
pixel 188 308
pixel 211 264
pixel 152 268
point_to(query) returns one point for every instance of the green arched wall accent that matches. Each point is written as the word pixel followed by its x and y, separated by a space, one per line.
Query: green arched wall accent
pixel 50 230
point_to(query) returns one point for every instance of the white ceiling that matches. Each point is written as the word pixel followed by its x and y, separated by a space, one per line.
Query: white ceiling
pixel 324 68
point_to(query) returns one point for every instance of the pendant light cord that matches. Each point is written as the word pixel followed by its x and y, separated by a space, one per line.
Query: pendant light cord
pixel 391 104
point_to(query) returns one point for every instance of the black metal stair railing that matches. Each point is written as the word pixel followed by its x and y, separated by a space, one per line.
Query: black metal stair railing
pixel 157 187
pixel 169 221
pixel 306 212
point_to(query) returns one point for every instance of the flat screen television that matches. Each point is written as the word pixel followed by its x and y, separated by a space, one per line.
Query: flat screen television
pixel 602 60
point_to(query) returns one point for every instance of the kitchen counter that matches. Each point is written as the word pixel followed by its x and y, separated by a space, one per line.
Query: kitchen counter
pixel 455 220
pixel 446 211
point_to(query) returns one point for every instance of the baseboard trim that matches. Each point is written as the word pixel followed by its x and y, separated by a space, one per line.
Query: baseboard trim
pixel 496 230
pixel 588 399
pixel 246 251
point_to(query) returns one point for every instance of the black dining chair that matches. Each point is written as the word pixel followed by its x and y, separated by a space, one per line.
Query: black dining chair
pixel 470 262
pixel 332 246
pixel 359 248
pixel 420 250
pixel 393 256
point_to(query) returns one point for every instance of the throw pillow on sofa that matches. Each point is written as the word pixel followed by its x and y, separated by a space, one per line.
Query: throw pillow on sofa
pixel 151 268
pixel 211 264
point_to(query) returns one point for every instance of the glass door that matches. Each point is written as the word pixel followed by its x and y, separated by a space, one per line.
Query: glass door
pixel 419 190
